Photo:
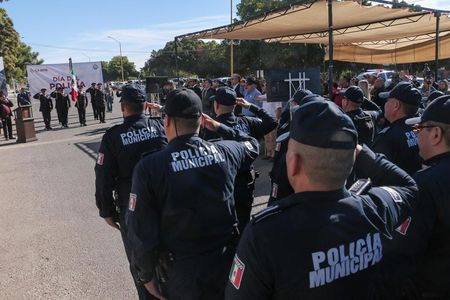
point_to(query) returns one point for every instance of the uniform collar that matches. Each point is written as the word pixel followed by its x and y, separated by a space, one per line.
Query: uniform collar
pixel 320 197
pixel 226 116
pixel 133 118
pixel 400 121
pixel 437 158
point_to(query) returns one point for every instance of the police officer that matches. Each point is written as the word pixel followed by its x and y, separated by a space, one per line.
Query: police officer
pixel 92 92
pixel 322 242
pixel 45 107
pixel 121 148
pixel 398 141
pixel 62 104
pixel 280 186
pixel 181 203
pixel 424 237
pixel 99 98
pixel 23 98
pixel 364 121
pixel 225 102
pixel 81 104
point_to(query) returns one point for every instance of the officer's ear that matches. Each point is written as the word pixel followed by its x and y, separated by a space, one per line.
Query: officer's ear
pixel 293 161
pixel 436 136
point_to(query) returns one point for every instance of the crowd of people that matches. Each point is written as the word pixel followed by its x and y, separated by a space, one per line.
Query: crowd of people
pixel 359 205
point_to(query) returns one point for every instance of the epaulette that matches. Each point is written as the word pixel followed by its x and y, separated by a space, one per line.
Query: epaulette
pixel 282 137
pixel 265 213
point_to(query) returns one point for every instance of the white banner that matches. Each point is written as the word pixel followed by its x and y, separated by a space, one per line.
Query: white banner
pixel 52 76
pixel 2 76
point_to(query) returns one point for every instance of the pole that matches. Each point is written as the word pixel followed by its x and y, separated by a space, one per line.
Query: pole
pixel 176 61
pixel 231 42
pixel 330 48
pixel 438 18
pixel 121 61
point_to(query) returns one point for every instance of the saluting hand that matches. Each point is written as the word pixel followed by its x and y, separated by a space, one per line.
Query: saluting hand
pixel 153 105
pixel 151 288
pixel 209 123
pixel 242 102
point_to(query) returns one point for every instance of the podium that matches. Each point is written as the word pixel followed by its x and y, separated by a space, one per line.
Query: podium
pixel 23 116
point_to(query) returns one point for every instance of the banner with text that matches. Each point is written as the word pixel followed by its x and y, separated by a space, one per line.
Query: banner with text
pixel 51 76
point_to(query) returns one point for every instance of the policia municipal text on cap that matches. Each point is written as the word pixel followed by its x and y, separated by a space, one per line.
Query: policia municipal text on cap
pixel 225 101
pixel 398 141
pixel 424 238
pixel 322 242
pixel 121 148
pixel 181 208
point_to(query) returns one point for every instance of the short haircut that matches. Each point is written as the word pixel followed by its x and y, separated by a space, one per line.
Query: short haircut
pixel 445 128
pixel 409 110
pixel 327 166
pixel 134 107
pixel 237 76
pixel 186 124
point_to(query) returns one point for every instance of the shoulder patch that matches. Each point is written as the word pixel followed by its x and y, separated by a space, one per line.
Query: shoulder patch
pixel 132 202
pixel 403 228
pixel 237 272
pixel 393 193
pixel 100 159
pixel 265 213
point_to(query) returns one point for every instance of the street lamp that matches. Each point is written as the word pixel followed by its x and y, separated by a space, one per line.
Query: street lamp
pixel 120 50
pixel 231 44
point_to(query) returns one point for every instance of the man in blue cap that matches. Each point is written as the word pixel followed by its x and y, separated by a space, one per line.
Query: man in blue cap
pixel 398 141
pixel 423 245
pixel 322 242
pixel 181 207
pixel 120 150
pixel 225 102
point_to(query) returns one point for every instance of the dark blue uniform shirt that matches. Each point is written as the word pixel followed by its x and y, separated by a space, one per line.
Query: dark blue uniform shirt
pixel 322 245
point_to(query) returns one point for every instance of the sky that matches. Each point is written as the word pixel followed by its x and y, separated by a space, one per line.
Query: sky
pixel 59 29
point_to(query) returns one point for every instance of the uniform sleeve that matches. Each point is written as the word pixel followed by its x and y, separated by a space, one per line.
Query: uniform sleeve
pixel 394 194
pixel 261 127
pixel 245 151
pixel 249 278
pixel 36 96
pixel 142 220
pixel 106 171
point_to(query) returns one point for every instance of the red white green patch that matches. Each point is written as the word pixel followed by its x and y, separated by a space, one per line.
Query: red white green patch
pixel 100 159
pixel 237 272
pixel 403 229
pixel 132 202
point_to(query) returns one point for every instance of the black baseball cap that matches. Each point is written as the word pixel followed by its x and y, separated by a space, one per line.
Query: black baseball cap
pixel 132 93
pixel 354 94
pixel 43 89
pixel 434 95
pixel 183 103
pixel 316 122
pixel 225 96
pixel 405 92
pixel 438 111
pixel 93 83
pixel 300 95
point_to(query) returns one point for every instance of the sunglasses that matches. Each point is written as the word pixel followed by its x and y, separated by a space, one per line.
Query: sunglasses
pixel 417 128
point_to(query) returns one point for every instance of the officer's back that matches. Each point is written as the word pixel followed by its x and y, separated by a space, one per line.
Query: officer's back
pixel 322 242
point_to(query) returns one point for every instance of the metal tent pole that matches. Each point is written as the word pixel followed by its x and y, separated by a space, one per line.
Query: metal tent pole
pixel 438 19
pixel 330 48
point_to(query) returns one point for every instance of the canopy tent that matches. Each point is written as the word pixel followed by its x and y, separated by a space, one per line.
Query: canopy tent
pixel 354 26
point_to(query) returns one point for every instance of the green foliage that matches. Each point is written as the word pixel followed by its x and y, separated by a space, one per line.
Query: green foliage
pixel 112 70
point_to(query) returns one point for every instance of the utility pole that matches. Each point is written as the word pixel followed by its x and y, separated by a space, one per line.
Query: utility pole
pixel 121 58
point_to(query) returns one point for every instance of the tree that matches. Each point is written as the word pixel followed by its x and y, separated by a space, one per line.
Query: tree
pixel 114 70
pixel 9 43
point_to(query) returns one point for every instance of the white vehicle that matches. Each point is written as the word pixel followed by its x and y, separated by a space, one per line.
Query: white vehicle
pixel 385 74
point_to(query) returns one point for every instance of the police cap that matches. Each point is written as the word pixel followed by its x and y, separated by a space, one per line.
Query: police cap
pixel 225 96
pixel 183 103
pixel 438 111
pixel 315 123
pixel 300 94
pixel 434 95
pixel 132 93
pixel 43 89
pixel 404 92
pixel 354 94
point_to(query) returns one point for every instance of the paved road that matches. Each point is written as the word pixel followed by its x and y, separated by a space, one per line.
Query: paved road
pixel 53 245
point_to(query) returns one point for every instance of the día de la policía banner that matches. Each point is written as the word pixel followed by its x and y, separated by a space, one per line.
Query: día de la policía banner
pixel 51 76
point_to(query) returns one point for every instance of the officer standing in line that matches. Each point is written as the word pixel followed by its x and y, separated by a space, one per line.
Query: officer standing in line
pixel 398 141
pixel 92 91
pixel 100 103
pixel 121 148
pixel 62 104
pixel 224 104
pixel 364 121
pixel 280 186
pixel 181 207
pixel 81 104
pixel 424 238
pixel 322 242
pixel 45 107
pixel 23 98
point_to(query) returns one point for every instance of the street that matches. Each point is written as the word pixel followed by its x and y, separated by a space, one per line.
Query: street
pixel 53 244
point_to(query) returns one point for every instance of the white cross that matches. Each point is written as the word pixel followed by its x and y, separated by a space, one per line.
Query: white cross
pixel 301 83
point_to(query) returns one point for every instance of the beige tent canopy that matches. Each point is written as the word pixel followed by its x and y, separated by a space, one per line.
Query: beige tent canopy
pixel 368 34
